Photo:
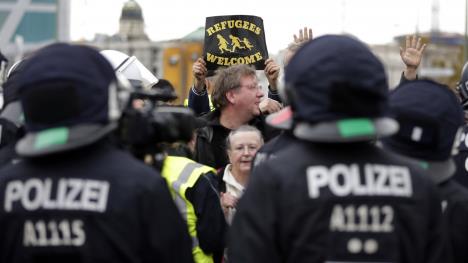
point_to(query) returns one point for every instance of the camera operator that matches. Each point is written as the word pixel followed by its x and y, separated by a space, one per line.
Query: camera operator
pixel 193 185
pixel 163 133
pixel 75 197
pixel 193 190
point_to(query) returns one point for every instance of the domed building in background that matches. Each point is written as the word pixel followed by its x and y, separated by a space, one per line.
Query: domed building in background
pixel 132 24
pixel 170 59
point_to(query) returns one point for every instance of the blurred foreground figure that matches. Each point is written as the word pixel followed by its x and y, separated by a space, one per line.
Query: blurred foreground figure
pixel 75 197
pixel 332 196
pixel 430 122
pixel 461 159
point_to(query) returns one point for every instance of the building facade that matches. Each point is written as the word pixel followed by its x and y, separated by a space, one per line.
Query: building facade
pixel 442 60
pixel 171 59
pixel 26 25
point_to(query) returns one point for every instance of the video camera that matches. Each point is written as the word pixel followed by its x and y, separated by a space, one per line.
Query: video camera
pixel 147 121
pixel 143 129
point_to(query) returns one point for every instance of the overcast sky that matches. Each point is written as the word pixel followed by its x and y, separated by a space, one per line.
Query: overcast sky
pixel 373 21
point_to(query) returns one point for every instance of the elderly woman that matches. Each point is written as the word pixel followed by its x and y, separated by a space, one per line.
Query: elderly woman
pixel 242 145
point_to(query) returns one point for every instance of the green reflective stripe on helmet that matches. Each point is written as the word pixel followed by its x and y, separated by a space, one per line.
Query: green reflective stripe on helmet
pixel 50 137
pixel 355 127
pixel 424 165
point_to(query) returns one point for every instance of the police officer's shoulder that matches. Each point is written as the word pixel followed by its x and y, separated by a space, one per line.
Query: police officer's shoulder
pixel 266 174
pixel 100 157
pixel 456 192
pixel 277 143
pixel 421 180
pixel 277 166
pixel 131 172
pixel 122 162
pixel 416 168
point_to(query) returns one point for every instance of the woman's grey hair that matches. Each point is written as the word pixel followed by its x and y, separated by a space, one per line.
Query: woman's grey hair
pixel 243 128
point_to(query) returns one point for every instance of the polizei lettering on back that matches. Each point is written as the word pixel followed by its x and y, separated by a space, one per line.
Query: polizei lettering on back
pixel 370 180
pixel 63 194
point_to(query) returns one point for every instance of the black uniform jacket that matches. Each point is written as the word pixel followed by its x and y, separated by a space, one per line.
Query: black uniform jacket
pixel 211 225
pixel 270 149
pixel 349 202
pixel 461 159
pixel 96 204
pixel 455 206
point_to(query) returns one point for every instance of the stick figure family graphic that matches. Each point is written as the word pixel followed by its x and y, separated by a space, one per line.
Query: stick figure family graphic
pixel 236 42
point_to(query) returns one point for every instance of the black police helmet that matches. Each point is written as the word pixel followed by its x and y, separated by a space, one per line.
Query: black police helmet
pixel 337 90
pixel 67 93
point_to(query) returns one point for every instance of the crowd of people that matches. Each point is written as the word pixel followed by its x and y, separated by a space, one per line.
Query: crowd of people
pixel 329 166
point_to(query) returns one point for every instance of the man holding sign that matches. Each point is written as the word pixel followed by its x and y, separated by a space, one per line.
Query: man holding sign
pixel 247 46
pixel 237 95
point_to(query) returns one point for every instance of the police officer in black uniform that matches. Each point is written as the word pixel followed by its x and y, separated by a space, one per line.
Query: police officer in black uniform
pixel 75 197
pixel 281 120
pixel 461 159
pixel 332 196
pixel 430 119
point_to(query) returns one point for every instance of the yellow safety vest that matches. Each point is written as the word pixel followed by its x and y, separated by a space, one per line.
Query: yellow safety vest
pixel 212 108
pixel 182 173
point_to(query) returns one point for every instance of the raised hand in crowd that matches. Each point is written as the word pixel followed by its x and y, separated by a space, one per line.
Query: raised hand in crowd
pixel 411 56
pixel 269 106
pixel 272 70
pixel 199 72
pixel 304 36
